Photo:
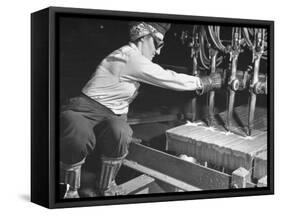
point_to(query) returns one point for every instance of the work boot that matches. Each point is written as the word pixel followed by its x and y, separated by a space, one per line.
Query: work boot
pixel 88 189
pixel 109 169
pixel 70 176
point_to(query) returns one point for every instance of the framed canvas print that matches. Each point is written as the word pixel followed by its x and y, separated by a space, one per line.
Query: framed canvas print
pixel 139 107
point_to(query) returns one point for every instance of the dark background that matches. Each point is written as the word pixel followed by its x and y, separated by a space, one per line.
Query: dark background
pixel 85 41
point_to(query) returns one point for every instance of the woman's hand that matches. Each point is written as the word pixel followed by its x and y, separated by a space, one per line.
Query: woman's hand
pixel 211 82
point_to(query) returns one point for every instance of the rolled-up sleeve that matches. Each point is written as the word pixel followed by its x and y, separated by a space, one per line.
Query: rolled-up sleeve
pixel 140 69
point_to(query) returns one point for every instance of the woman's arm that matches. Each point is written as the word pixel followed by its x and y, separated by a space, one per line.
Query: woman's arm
pixel 140 69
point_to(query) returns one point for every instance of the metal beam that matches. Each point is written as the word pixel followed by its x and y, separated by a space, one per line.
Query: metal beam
pixel 172 168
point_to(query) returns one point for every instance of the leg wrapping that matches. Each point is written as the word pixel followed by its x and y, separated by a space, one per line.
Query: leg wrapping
pixel 109 170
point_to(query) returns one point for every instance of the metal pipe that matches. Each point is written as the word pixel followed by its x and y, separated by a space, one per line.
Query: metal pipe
pixel 233 83
pixel 195 51
pixel 211 94
pixel 257 53
pixel 231 91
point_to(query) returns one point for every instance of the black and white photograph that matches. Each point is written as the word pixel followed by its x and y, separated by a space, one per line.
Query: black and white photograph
pixel 150 107
pixel 162 108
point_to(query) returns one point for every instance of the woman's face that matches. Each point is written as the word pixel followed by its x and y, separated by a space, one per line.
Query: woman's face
pixel 148 48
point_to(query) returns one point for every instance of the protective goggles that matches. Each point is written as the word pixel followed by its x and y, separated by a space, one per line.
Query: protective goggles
pixel 158 43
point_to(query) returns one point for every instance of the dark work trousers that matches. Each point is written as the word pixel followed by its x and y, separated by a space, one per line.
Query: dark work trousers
pixel 86 127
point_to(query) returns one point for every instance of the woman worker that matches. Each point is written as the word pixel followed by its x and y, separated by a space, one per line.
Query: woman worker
pixel 96 120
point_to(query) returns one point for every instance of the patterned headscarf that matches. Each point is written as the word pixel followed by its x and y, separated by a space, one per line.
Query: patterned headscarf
pixel 141 29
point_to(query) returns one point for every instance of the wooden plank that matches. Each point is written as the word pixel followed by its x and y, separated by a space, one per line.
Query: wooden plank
pixel 173 167
pixel 138 185
pixel 167 179
pixel 143 191
pixel 166 187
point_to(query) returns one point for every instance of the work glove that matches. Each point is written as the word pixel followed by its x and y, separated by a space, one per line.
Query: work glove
pixel 211 82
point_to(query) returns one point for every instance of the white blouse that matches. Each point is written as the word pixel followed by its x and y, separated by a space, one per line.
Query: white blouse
pixel 115 82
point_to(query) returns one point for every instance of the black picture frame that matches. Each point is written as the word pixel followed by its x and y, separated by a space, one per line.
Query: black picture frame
pixel 45 101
